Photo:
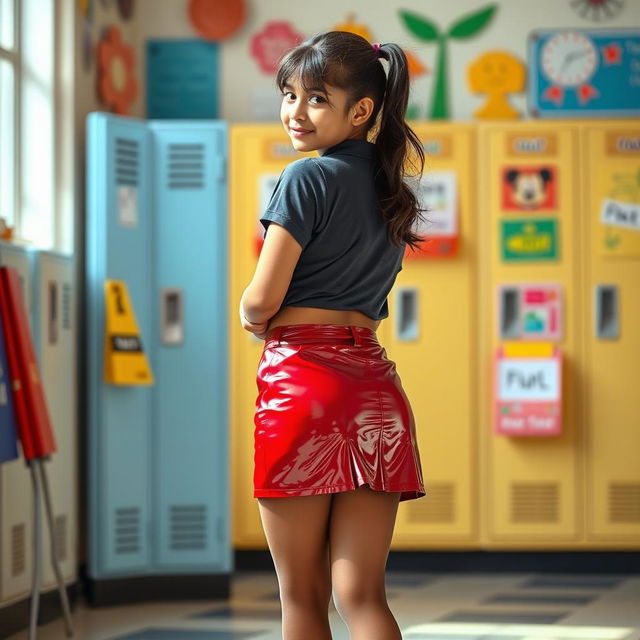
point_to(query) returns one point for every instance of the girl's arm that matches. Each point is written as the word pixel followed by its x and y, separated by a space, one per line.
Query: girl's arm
pixel 263 296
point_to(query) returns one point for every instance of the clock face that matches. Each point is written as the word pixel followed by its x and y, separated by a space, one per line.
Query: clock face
pixel 569 59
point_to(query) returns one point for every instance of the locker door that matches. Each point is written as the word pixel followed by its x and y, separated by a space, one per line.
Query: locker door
pixel 258 154
pixel 611 256
pixel 431 335
pixel 190 423
pixel 118 247
pixel 16 496
pixel 532 493
pixel 55 336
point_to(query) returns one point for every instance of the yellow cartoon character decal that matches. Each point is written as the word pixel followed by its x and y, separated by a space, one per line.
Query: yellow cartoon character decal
pixel 496 73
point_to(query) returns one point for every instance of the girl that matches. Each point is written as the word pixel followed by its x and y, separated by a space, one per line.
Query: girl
pixel 335 442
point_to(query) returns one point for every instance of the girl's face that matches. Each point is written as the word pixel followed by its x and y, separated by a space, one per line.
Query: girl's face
pixel 316 120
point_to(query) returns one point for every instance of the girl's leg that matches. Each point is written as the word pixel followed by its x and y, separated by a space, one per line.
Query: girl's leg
pixel 360 533
pixel 296 529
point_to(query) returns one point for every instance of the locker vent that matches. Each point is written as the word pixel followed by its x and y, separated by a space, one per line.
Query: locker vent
pixel 127 162
pixel 66 306
pixel 186 166
pixel 17 550
pixel 188 527
pixel 534 502
pixel 127 530
pixel 624 502
pixel 61 537
pixel 438 506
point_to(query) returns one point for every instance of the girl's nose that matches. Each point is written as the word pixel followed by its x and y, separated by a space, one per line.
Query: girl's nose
pixel 296 110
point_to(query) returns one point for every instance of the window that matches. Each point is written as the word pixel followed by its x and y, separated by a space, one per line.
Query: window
pixel 28 159
pixel 8 95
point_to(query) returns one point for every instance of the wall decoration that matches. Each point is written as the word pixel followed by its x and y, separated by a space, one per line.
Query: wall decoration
pixel 125 8
pixel 597 10
pixel 270 44
pixel 117 87
pixel 216 20
pixel 427 31
pixel 584 73
pixel 85 7
pixel 529 239
pixel 352 26
pixel 182 79
pixel 496 73
pixel 529 188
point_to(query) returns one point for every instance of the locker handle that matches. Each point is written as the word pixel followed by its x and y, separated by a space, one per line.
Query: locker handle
pixel 52 315
pixel 172 316
pixel 407 318
pixel 510 313
pixel 607 310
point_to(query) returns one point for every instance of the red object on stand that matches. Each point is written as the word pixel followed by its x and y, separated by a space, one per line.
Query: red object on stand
pixel 32 415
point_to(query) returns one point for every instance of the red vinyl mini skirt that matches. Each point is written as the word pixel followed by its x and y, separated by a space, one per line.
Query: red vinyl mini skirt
pixel 331 415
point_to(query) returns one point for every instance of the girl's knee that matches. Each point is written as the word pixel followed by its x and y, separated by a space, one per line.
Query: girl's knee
pixel 349 598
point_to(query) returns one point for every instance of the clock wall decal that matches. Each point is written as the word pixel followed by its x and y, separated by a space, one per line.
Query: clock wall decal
pixel 586 73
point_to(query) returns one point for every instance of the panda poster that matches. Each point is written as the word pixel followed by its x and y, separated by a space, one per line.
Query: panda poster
pixel 529 188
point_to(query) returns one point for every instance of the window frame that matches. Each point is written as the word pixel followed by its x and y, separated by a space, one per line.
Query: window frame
pixel 13 57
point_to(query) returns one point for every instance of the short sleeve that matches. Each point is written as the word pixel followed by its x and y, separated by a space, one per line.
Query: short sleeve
pixel 297 200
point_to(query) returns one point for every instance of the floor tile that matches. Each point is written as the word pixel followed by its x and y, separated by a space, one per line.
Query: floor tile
pixel 503 616
pixel 539 598
pixel 189 634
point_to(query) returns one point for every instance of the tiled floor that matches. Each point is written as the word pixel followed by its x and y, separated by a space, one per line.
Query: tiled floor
pixel 452 606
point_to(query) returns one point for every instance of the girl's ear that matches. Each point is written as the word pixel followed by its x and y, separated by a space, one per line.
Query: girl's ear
pixel 361 111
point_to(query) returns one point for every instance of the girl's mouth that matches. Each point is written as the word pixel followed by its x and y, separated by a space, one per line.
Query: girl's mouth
pixel 298 133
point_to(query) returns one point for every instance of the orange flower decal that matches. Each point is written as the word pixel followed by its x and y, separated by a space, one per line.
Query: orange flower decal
pixel 117 87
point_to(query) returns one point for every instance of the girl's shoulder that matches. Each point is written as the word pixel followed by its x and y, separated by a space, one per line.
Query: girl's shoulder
pixel 306 170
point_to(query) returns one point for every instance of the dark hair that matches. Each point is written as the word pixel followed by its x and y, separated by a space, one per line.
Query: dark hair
pixel 350 62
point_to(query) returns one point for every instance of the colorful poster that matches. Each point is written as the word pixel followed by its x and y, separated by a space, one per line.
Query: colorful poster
pixel 528 390
pixel 529 188
pixel 529 239
pixel 530 311
pixel 438 195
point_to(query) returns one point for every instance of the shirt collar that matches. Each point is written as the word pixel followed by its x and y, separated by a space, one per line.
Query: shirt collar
pixel 352 147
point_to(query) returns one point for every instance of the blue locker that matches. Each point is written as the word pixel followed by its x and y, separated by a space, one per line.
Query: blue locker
pixel 118 247
pixel 189 354
pixel 157 220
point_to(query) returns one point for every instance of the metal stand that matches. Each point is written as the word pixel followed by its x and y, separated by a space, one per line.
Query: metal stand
pixel 39 482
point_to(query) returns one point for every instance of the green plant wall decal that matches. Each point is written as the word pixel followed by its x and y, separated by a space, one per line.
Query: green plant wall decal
pixel 427 31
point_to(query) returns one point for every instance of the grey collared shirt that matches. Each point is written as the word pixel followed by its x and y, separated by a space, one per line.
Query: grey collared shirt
pixel 330 206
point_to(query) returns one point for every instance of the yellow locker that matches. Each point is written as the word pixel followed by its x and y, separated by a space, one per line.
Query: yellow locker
pixel 437 298
pixel 610 308
pixel 257 155
pixel 529 200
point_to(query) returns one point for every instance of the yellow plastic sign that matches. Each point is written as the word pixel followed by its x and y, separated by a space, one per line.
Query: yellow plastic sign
pixel 125 362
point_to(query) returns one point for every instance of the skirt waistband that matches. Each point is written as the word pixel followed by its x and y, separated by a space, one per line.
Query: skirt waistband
pixel 321 334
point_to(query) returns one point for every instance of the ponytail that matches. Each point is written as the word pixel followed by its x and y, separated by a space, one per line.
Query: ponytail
pixel 395 142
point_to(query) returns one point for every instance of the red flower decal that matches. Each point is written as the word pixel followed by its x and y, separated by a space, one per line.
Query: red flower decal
pixel 117 87
pixel 270 44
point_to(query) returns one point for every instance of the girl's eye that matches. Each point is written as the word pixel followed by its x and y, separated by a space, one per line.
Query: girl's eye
pixel 319 98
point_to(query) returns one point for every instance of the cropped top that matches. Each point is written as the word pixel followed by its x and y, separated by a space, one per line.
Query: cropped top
pixel 330 205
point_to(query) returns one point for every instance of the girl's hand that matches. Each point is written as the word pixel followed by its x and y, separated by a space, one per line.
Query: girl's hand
pixel 258 329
